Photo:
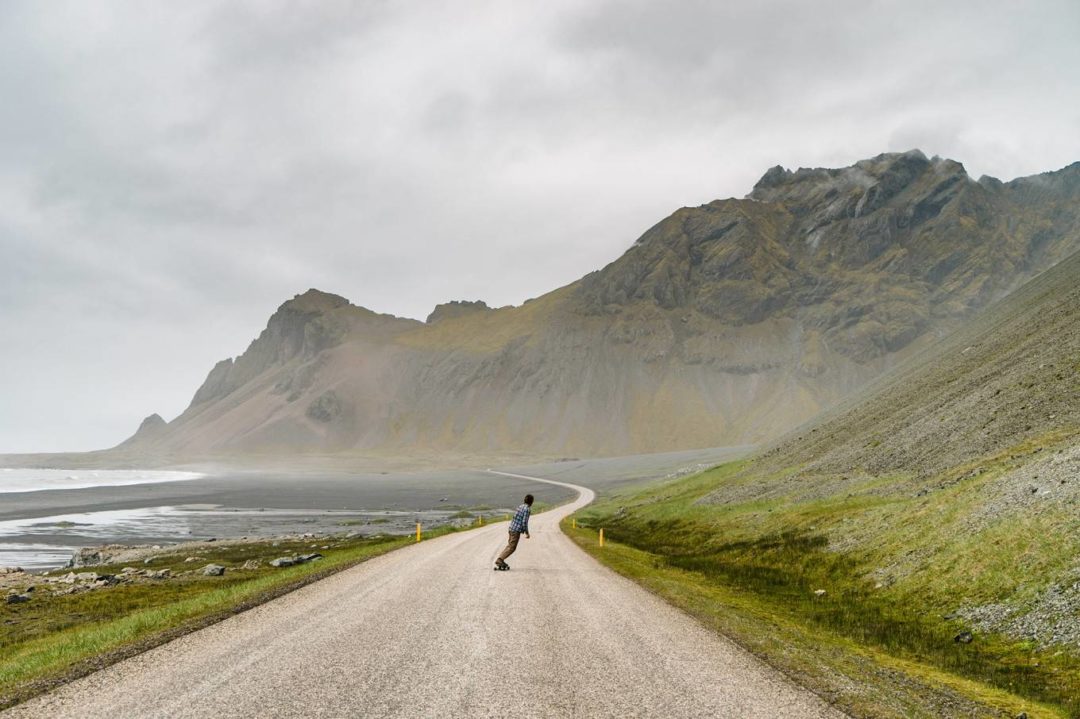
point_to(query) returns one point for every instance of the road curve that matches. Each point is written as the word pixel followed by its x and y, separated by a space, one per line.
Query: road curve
pixel 432 631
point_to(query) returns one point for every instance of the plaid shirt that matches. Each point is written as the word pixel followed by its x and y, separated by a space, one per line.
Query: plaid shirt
pixel 520 522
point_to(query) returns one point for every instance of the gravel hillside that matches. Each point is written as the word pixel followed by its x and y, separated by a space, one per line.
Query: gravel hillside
pixel 952 484
pixel 1012 376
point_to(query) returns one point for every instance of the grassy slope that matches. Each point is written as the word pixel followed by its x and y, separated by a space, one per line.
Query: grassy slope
pixel 751 570
pixel 951 487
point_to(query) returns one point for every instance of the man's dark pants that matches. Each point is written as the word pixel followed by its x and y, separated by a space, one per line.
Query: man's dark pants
pixel 510 546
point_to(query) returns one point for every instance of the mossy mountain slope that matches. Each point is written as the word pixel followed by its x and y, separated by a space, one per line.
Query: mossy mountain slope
pixel 929 523
pixel 723 324
pixel 952 481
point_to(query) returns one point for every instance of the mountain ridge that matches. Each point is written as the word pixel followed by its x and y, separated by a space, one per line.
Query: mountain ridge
pixel 724 323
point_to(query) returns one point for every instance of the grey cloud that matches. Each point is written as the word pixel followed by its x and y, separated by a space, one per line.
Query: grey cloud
pixel 171 172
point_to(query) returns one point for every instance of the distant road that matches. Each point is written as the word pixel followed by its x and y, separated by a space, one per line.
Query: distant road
pixel 432 631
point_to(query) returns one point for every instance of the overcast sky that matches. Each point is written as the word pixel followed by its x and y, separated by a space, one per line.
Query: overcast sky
pixel 171 172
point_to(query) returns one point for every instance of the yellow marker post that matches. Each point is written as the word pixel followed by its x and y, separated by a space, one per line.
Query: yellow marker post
pixel 601 537
pixel 575 523
pixel 418 531
pixel 481 520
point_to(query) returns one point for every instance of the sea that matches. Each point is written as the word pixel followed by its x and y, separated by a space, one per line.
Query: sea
pixel 36 542
pixel 44 480
pixel 43 542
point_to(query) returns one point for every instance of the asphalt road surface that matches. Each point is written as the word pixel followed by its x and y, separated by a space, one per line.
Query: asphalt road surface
pixel 432 631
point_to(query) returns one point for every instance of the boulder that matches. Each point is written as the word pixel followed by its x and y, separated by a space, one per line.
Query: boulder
pixel 299 559
pixel 326 407
pixel 18 598
pixel 964 638
pixel 85 557
pixel 213 570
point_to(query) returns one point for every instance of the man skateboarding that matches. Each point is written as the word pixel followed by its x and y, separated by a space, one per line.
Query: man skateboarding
pixel 518 525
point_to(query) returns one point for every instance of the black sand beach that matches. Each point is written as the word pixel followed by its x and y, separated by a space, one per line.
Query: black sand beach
pixel 234 502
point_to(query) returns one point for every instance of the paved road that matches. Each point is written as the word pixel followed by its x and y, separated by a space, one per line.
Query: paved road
pixel 432 631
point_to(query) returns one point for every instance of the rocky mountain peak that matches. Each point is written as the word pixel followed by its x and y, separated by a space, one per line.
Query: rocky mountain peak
pixel 314 301
pixel 307 323
pixel 151 423
pixel 456 308
pixel 775 176
pixel 301 327
pixel 151 427
pixel 871 254
pixel 875 181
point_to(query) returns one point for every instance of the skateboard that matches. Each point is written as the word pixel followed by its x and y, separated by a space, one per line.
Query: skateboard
pixel 502 567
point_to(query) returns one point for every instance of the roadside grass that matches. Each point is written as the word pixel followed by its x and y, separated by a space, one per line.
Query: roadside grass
pixel 854 592
pixel 856 678
pixel 55 638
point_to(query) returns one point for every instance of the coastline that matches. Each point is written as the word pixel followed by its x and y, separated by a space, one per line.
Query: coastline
pixel 313 494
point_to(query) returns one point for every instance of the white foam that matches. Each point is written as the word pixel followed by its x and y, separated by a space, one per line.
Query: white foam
pixel 43 480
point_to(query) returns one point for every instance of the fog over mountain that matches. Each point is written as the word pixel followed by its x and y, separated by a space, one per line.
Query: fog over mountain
pixel 724 324
pixel 171 172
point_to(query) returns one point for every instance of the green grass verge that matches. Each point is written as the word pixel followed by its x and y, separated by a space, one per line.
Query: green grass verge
pixel 55 638
pixel 876 643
